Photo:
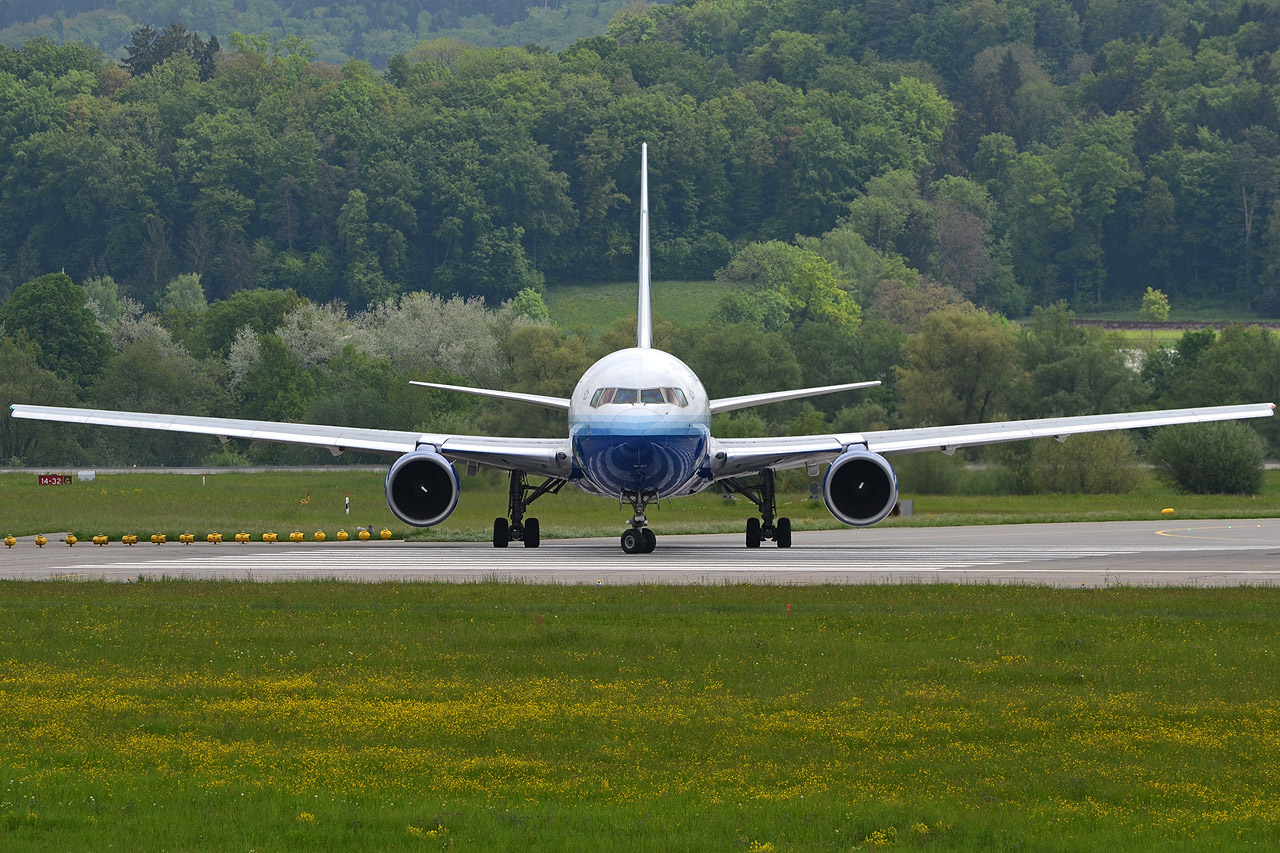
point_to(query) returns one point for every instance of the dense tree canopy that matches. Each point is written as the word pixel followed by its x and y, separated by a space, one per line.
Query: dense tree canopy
pixel 881 181
pixel 1020 153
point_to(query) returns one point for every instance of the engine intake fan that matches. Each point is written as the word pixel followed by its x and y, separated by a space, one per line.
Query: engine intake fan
pixel 860 488
pixel 422 488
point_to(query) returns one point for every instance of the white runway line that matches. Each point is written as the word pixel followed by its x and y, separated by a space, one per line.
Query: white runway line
pixel 427 559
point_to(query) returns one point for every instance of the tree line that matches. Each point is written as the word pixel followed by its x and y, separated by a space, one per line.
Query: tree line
pixel 372 30
pixel 248 231
pixel 274 355
pixel 1019 154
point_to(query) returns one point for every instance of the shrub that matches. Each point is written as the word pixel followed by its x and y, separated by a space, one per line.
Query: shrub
pixel 1089 464
pixel 1224 457
pixel 929 473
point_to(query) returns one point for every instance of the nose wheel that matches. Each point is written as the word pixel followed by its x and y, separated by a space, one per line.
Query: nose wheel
pixel 638 539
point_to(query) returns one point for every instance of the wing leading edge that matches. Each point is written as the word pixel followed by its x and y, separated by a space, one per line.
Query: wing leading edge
pixel 545 456
pixel 736 456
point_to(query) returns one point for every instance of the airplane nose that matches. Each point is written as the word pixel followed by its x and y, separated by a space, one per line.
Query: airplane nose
pixel 640 422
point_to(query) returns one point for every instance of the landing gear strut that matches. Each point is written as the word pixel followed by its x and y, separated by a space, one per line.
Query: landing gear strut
pixel 638 539
pixel 517 528
pixel 759 490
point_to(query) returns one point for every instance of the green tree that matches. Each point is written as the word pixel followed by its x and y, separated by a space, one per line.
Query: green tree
pixel 961 368
pixel 147 376
pixel 52 311
pixel 23 380
pixel 184 293
pixel 1155 307
pixel 1073 370
pixel 261 310
pixel 1224 457
pixel 278 387
pixel 102 295
pixel 353 389
pixel 529 303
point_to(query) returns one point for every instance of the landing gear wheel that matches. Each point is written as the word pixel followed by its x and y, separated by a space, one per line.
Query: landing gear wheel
pixel 501 533
pixel 633 541
pixel 783 536
pixel 650 540
pixel 753 533
pixel 531 533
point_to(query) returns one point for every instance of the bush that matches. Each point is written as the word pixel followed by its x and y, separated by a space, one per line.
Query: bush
pixel 1089 464
pixel 1086 464
pixel 929 473
pixel 1224 457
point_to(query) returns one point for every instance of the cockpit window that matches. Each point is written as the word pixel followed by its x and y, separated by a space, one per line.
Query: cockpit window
pixel 605 396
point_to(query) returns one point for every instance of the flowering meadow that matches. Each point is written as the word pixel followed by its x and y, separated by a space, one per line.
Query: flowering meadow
pixel 237 716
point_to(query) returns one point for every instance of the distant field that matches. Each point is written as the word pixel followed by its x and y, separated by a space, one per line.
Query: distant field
pixel 207 716
pixel 595 307
pixel 1148 338
pixel 307 501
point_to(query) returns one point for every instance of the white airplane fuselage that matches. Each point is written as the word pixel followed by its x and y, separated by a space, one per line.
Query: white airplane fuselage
pixel 640 424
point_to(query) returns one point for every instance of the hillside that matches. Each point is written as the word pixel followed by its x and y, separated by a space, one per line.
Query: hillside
pixel 373 30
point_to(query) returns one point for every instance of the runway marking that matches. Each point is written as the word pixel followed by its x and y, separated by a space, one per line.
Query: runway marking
pixel 1182 532
pixel 685 559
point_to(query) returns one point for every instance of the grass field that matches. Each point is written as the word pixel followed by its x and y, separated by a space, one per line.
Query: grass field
pixel 595 307
pixel 307 501
pixel 325 716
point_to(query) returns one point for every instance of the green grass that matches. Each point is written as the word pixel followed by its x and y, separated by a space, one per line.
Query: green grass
pixel 595 307
pixel 307 501
pixel 1149 338
pixel 309 716
pixel 1182 313
pixel 1144 503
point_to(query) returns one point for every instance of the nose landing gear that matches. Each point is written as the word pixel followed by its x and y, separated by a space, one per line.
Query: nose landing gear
pixel 638 539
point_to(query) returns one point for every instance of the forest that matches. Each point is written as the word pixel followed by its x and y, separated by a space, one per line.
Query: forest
pixel 879 185
pixel 373 30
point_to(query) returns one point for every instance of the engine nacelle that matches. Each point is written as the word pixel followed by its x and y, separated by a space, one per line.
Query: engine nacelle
pixel 422 488
pixel 860 488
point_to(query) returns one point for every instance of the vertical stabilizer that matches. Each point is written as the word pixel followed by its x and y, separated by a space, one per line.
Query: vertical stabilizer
pixel 644 311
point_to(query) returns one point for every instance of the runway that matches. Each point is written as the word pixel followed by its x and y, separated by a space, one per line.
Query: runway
pixel 1198 553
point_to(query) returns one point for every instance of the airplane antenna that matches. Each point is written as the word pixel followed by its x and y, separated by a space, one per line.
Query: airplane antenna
pixel 644 312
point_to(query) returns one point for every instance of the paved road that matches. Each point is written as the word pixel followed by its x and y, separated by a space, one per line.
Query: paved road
pixel 1198 553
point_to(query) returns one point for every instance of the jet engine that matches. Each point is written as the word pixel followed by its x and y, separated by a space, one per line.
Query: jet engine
pixel 860 488
pixel 422 488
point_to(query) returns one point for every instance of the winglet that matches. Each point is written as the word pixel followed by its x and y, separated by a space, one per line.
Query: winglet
pixel 644 312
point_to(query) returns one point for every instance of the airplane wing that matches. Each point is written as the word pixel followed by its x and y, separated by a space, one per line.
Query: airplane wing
pixel 731 457
pixel 545 456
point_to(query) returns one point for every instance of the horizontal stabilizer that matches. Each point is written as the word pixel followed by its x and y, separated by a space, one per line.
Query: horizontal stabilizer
pixel 729 404
pixel 558 403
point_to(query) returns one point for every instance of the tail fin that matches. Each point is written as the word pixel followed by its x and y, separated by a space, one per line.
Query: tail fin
pixel 644 311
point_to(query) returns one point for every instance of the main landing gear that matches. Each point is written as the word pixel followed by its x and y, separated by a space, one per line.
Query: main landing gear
pixel 517 528
pixel 638 539
pixel 759 490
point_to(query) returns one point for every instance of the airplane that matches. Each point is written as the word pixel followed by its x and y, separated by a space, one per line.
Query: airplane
pixel 639 432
